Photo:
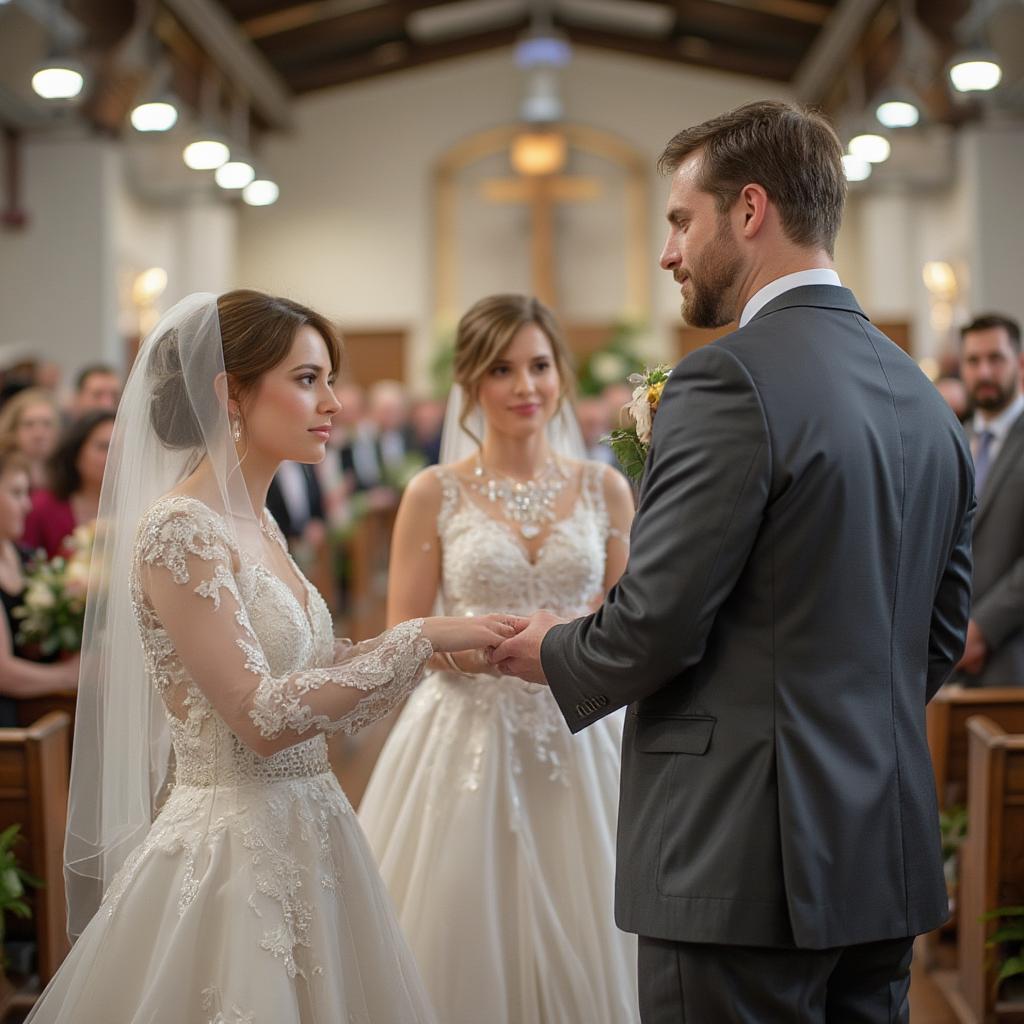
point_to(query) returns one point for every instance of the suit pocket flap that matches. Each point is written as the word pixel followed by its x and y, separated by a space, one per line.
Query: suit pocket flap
pixel 689 734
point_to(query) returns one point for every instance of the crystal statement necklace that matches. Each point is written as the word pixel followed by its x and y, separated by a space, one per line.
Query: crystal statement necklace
pixel 530 504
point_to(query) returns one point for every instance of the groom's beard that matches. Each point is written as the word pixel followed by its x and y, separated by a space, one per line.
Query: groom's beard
pixel 711 282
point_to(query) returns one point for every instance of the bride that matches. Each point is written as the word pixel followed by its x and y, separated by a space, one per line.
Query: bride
pixel 215 870
pixel 491 822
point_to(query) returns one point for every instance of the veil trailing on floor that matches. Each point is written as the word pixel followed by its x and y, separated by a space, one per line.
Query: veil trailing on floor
pixel 172 416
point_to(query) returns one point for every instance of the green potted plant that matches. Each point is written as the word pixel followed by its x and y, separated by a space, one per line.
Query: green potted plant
pixel 953 830
pixel 13 881
pixel 1010 937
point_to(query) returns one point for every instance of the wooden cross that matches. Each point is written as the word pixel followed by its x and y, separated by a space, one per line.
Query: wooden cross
pixel 543 193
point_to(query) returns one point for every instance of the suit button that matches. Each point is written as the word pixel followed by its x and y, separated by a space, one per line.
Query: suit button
pixel 602 701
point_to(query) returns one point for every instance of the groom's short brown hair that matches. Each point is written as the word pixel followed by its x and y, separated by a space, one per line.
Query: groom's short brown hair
pixel 792 152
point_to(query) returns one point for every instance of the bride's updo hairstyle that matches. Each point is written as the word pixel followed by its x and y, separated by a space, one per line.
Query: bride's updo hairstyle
pixel 485 331
pixel 257 331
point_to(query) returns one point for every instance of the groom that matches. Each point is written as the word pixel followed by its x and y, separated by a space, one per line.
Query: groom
pixel 798 589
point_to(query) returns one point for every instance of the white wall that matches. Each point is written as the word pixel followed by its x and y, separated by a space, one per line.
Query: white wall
pixel 995 155
pixel 57 275
pixel 352 231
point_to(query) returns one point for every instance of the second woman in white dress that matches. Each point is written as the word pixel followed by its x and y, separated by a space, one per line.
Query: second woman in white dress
pixel 493 826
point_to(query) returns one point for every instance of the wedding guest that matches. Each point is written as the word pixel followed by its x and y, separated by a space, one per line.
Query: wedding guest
pixel 31 422
pixel 954 392
pixel 617 397
pixel 76 473
pixel 388 406
pixel 426 420
pixel 295 500
pixel 357 454
pixel 97 388
pixel 17 370
pixel 595 423
pixel 991 365
pixel 21 674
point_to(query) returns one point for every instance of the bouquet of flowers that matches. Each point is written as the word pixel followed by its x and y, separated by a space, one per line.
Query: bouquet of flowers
pixel 631 444
pixel 53 609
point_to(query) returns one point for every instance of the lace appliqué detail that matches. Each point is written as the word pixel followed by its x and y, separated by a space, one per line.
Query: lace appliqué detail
pixel 282 809
pixel 386 673
pixel 212 1003
pixel 485 569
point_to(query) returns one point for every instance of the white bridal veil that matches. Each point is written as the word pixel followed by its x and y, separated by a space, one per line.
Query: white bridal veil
pixel 173 414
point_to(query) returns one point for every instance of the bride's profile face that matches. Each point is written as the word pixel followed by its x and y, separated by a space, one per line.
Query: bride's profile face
pixel 520 390
pixel 289 414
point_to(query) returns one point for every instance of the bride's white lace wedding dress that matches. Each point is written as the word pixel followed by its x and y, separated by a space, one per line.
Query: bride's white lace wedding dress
pixel 254 899
pixel 491 822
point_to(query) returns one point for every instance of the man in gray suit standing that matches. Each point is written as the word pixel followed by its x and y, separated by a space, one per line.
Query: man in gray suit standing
pixel 797 590
pixel 991 367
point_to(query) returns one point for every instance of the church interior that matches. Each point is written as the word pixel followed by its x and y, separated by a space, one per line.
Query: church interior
pixel 389 163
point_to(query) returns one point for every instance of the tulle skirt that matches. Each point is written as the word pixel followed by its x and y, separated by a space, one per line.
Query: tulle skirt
pixel 494 828
pixel 258 904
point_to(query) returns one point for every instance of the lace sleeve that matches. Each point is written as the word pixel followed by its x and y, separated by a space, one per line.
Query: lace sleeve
pixel 186 569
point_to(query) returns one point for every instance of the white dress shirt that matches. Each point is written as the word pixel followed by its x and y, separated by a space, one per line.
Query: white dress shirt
pixel 773 289
pixel 998 427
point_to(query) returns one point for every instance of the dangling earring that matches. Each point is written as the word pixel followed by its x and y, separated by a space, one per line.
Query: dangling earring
pixel 236 428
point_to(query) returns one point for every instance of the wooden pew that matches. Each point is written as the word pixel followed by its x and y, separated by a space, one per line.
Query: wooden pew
pixel 368 553
pixel 947 716
pixel 992 870
pixel 31 709
pixel 34 794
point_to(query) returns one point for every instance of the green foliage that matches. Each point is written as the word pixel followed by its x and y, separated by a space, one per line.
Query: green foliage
pixel 442 368
pixel 953 830
pixel 1010 937
pixel 613 363
pixel 629 450
pixel 13 879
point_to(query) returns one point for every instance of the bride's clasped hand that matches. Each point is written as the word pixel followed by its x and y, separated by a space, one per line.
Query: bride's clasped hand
pixel 470 632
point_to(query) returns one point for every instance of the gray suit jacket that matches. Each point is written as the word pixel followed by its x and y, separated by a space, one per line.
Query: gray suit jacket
pixel 999 566
pixel 797 589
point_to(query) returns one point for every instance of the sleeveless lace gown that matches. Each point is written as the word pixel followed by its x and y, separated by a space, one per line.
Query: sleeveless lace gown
pixel 494 827
pixel 254 899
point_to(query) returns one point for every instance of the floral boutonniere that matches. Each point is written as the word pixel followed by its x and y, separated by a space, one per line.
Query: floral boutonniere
pixel 631 444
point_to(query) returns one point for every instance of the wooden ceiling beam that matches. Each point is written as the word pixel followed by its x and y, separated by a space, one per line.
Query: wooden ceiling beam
pixel 237 56
pixel 831 50
pixel 737 31
pixel 757 61
pixel 807 11
pixel 345 35
pixel 318 12
pixel 743 19
pixel 305 76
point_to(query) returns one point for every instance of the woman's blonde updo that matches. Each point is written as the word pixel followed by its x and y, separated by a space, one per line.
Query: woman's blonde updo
pixel 14 408
pixel 256 331
pixel 485 331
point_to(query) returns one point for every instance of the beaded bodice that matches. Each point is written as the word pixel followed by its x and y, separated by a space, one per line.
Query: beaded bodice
pixel 292 638
pixel 487 568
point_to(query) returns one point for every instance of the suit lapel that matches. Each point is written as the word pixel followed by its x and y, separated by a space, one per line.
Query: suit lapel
pixel 1009 454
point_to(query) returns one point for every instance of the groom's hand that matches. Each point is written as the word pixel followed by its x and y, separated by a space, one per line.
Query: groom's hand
pixel 520 655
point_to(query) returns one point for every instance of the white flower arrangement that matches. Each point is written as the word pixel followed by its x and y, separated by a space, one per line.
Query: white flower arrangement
pixel 53 609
